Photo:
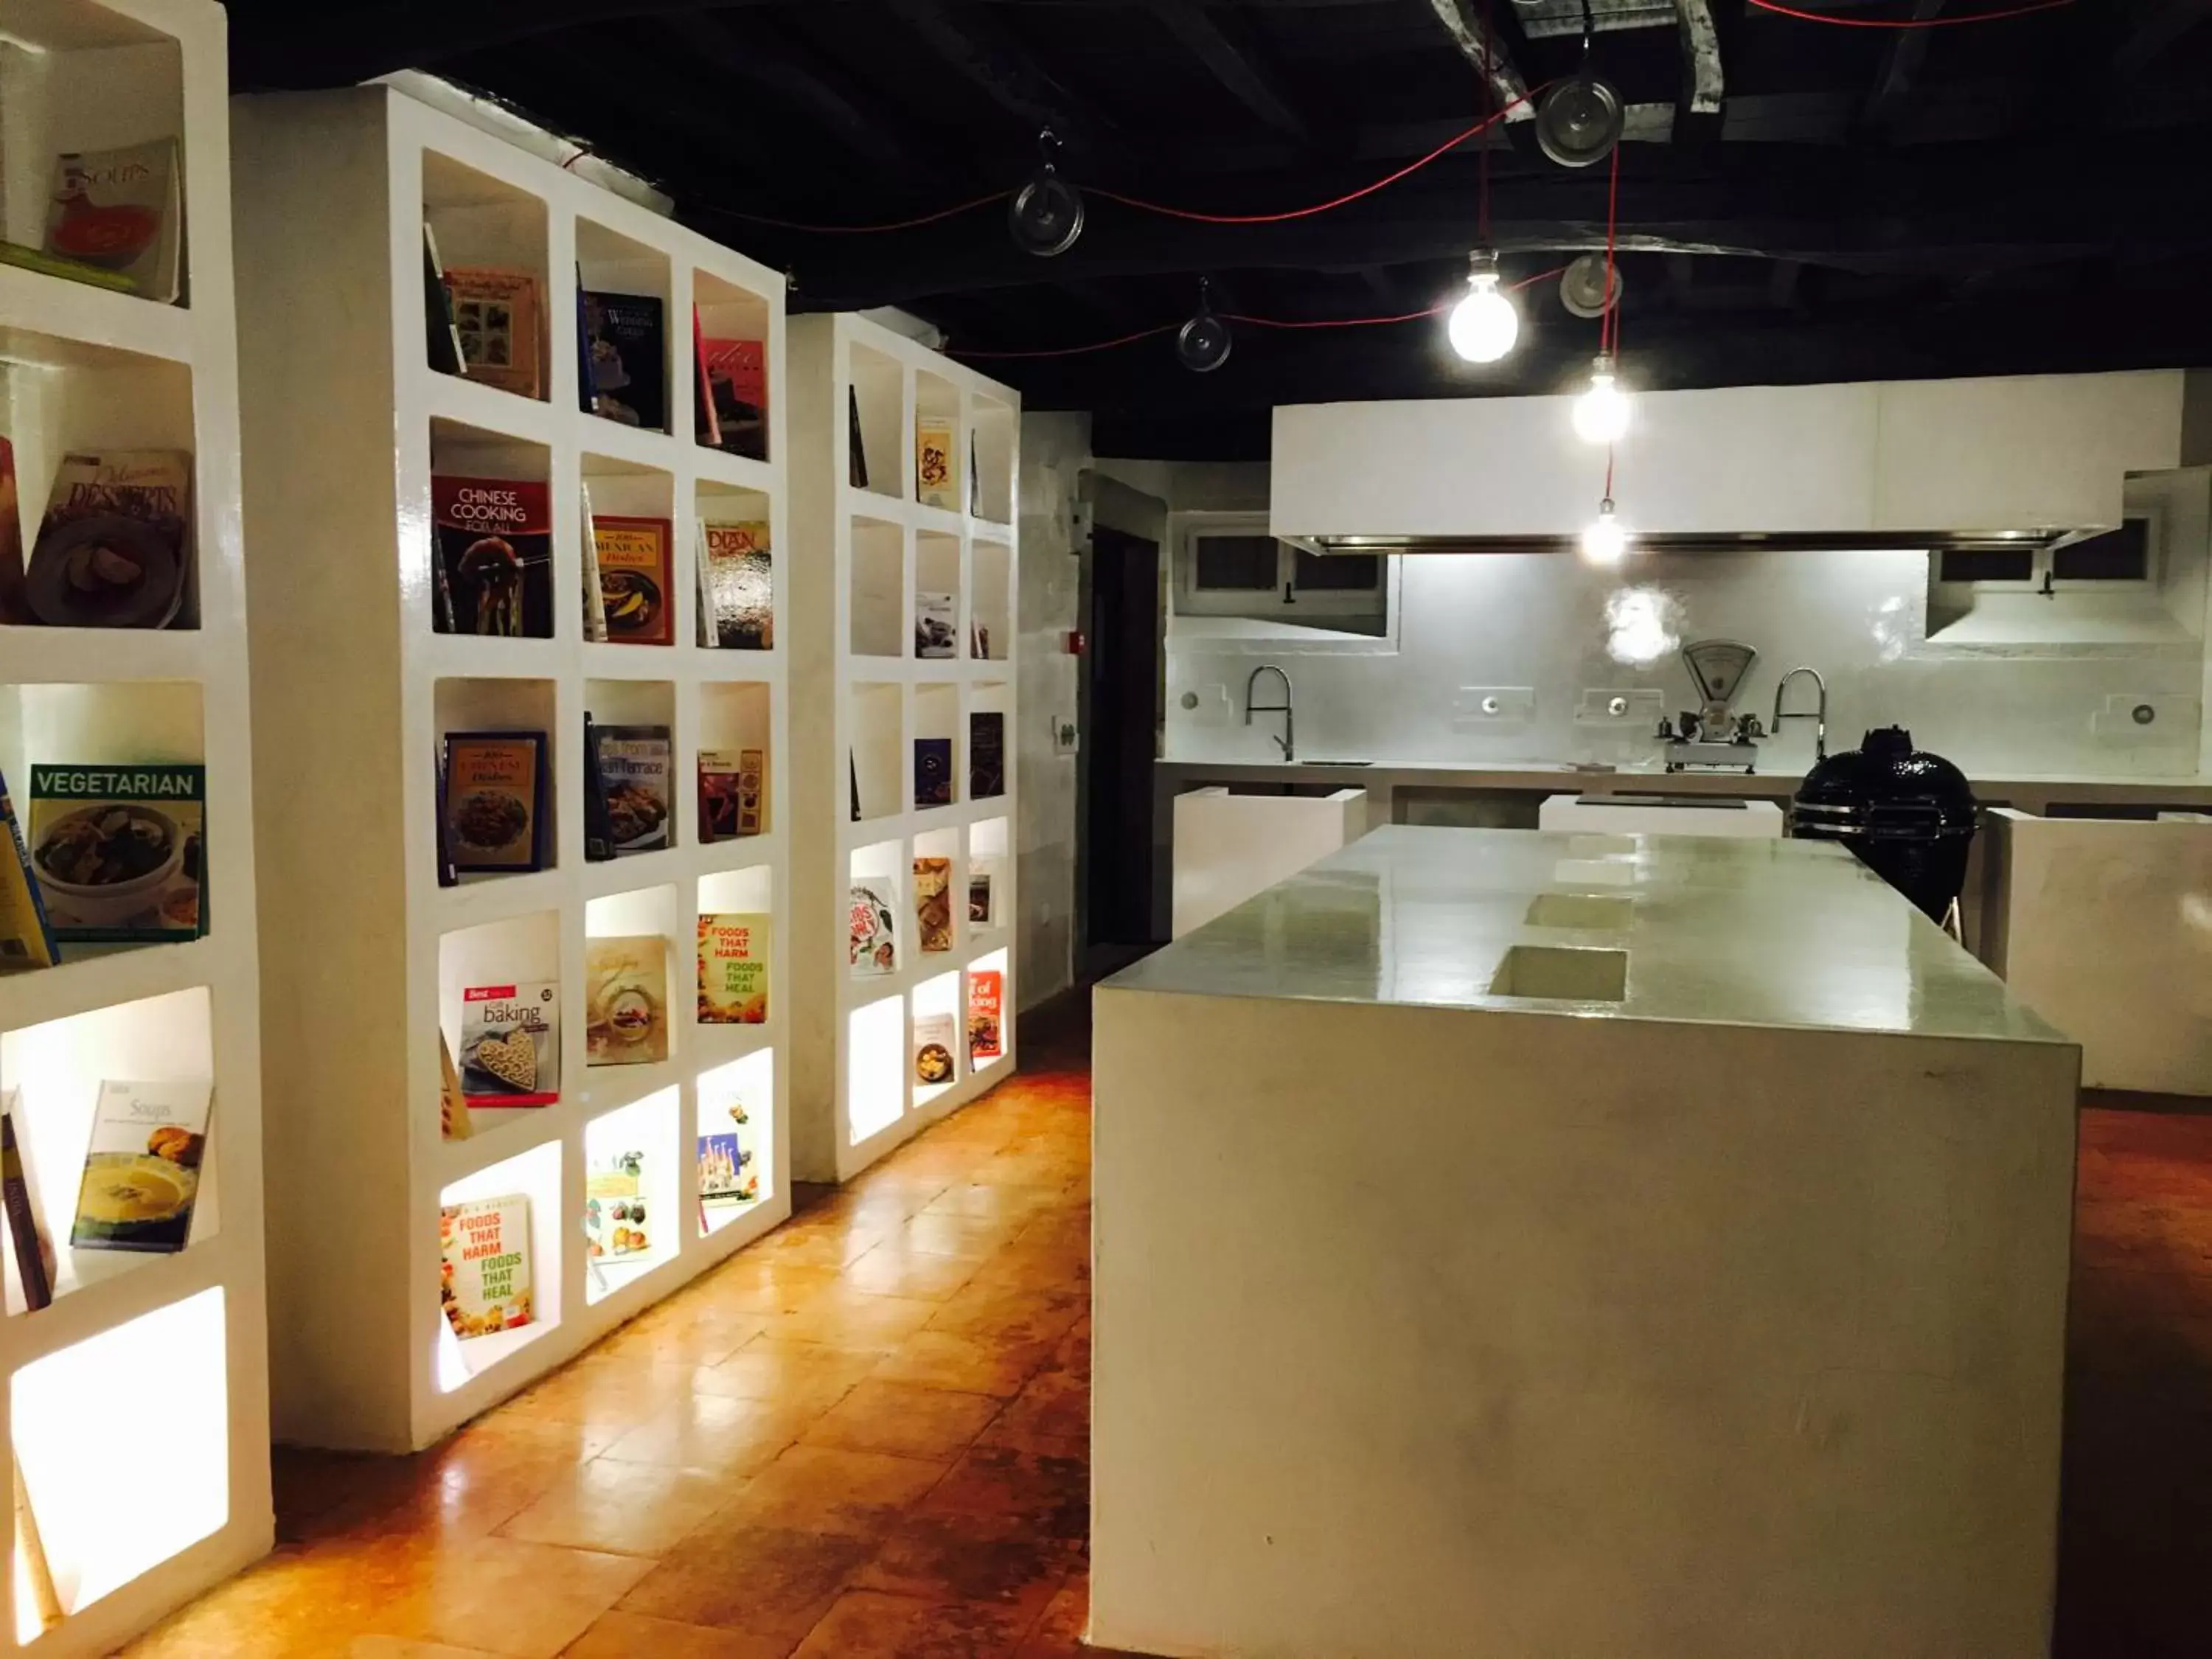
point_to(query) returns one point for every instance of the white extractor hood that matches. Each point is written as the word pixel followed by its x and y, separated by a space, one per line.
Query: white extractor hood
pixel 1873 463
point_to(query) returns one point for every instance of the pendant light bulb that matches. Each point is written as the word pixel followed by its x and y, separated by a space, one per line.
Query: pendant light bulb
pixel 1601 413
pixel 1605 539
pixel 1485 324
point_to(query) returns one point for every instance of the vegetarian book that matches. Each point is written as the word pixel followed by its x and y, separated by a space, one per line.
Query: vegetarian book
pixel 628 337
pixel 932 904
pixel 484 1271
pixel 626 1001
pixel 141 1168
pixel 115 548
pixel 986 992
pixel 494 557
pixel 636 579
pixel 499 316
pixel 871 931
pixel 495 801
pixel 733 793
pixel 510 1046
pixel 738 584
pixel 120 210
pixel 26 939
pixel 633 769
pixel 734 968
pixel 118 851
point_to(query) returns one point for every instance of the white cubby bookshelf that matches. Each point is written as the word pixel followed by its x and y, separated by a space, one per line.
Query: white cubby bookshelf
pixel 860 555
pixel 345 424
pixel 138 1356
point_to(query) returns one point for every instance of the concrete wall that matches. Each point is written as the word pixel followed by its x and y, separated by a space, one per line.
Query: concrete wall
pixel 1055 448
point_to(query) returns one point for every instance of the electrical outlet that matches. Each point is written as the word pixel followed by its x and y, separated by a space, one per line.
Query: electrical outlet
pixel 1208 705
pixel 2131 719
pixel 1628 706
pixel 1477 707
pixel 1065 738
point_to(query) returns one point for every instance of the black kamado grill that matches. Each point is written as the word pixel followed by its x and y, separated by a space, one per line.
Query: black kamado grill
pixel 1909 817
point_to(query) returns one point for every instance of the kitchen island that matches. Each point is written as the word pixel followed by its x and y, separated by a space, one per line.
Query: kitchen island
pixel 1519 1243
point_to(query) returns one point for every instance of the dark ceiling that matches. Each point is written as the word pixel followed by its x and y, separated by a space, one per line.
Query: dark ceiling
pixel 1799 202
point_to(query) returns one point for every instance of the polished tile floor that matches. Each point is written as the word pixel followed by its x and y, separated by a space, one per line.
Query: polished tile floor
pixel 866 1437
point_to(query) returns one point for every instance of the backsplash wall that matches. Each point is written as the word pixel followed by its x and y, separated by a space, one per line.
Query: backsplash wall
pixel 1549 628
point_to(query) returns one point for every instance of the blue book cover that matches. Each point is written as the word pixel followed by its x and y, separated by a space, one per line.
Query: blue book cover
pixel 933 771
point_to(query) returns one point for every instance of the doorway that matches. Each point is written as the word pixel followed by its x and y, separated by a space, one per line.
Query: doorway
pixel 1121 691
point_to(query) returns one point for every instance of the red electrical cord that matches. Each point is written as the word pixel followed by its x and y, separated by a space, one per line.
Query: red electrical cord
pixel 859 230
pixel 1609 331
pixel 1907 22
pixel 1070 352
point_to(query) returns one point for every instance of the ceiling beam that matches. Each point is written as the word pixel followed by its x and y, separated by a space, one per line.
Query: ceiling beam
pixel 981 52
pixel 2159 24
pixel 1894 78
pixel 1478 44
pixel 1235 60
pixel 1697 111
pixel 787 69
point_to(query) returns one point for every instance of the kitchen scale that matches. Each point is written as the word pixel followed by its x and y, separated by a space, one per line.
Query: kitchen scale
pixel 1713 736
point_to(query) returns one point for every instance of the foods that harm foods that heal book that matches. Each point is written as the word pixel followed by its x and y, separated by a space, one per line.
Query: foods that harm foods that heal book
pixel 494 553
pixel 119 210
pixel 739 584
pixel 734 968
pixel 626 1000
pixel 495 801
pixel 118 852
pixel 499 316
pixel 628 338
pixel 510 1045
pixel 114 549
pixel 932 904
pixel 484 1271
pixel 26 939
pixel 636 579
pixel 141 1168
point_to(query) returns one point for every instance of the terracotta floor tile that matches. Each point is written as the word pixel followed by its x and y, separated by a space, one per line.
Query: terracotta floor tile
pixel 713 1432
pixel 804 1376
pixel 924 1275
pixel 397 1647
pixel 870 1625
pixel 1044 1490
pixel 995 1314
pixel 904 1420
pixel 751 1284
pixel 1054 1411
pixel 529 1600
pixel 620 1635
pixel 843 1318
pixel 1039 1266
pixel 976 1236
pixel 946 1359
pixel 997 1201
pixel 469 1484
pixel 767 1581
pixel 969 1558
pixel 700 1334
pixel 622 1508
pixel 826 1489
pixel 599 1392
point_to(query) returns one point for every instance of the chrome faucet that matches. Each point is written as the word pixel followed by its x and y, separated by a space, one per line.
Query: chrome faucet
pixel 1819 716
pixel 1288 743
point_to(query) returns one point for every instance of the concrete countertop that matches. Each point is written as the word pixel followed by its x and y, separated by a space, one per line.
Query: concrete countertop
pixel 1770 934
pixel 1551 778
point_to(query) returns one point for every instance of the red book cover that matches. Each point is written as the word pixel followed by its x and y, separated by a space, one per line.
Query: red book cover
pixel 736 371
pixel 987 990
pixel 494 572
pixel 710 429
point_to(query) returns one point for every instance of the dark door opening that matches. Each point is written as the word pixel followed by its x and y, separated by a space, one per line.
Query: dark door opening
pixel 1122 714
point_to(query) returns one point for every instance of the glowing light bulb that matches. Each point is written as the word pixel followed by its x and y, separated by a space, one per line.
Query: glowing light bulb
pixel 1601 413
pixel 1485 324
pixel 1605 539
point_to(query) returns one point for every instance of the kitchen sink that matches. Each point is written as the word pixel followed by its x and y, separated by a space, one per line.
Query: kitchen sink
pixel 1562 973
pixel 1593 912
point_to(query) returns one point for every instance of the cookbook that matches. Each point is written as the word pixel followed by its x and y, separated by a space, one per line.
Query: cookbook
pixel 734 968
pixel 141 1168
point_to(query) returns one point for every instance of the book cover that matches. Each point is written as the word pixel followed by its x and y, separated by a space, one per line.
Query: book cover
pixel 933 481
pixel 510 1045
pixel 497 314
pixel 114 549
pixel 118 851
pixel 729 1165
pixel 733 793
pixel 495 554
pixel 983 892
pixel 856 448
pixel 484 1269
pixel 27 940
pixel 987 989
pixel 739 584
pixel 33 1271
pixel 119 210
pixel 594 595
pixel 626 1000
pixel 737 379
pixel 141 1168
pixel 495 801
pixel 932 904
pixel 634 766
pixel 629 358
pixel 704 427
pixel 14 603
pixel 936 630
pixel 455 1122
pixel 442 335
pixel 986 754
pixel 871 933
pixel 636 579
pixel 934 1036
pixel 616 1224
pixel 933 771
pixel 734 968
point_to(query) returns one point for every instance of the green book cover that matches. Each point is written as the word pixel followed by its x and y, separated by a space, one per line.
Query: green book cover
pixel 118 850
